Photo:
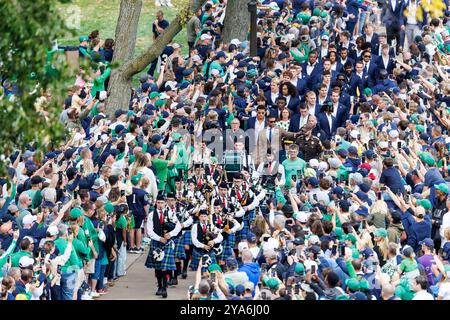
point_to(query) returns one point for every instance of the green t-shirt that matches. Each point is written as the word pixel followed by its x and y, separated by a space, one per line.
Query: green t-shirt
pixel 74 263
pixel 93 234
pixel 5 256
pixel 292 166
pixel 161 169
pixel 121 223
pixel 408 265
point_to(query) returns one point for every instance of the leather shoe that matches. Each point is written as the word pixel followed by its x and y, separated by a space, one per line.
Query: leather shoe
pixel 164 293
pixel 184 275
pixel 159 292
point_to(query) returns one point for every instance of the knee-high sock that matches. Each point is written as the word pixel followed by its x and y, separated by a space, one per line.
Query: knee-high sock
pixel 159 277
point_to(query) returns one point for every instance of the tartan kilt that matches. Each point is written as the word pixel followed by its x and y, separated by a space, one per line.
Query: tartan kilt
pixel 247 221
pixel 186 238
pixel 168 263
pixel 179 252
pixel 197 255
pixel 228 246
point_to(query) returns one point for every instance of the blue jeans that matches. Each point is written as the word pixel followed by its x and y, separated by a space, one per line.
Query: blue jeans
pixel 68 281
pixel 100 281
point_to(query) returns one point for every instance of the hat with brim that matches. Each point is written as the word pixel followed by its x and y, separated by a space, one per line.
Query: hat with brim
pixel 425 203
pixel 427 158
pixel 443 187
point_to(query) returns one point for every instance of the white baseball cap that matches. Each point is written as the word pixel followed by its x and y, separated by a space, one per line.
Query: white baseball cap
pixel 205 36
pixel 236 42
pixel 52 230
pixel 242 246
pixel 393 134
pixel 29 219
pixel 302 217
pixel 354 134
pixel 314 163
pixel 384 144
pixel 26 262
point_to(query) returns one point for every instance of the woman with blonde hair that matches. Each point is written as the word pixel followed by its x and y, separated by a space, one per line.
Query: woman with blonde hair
pixel 378 213
pixel 260 226
pixel 86 162
pixel 142 165
pixel 381 245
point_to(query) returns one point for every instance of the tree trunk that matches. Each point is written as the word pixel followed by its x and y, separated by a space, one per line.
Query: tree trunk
pixel 120 82
pixel 237 21
pixel 125 42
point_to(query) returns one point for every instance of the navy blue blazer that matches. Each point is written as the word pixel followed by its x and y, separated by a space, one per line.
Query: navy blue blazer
pixel 251 123
pixel 342 115
pixel 314 77
pixel 322 121
pixel 294 124
pixel 268 96
pixel 390 66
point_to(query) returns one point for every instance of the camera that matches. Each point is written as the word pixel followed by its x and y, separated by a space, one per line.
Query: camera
pixel 304 38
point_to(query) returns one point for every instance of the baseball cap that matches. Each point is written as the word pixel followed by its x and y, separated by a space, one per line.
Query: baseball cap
pixel 343 153
pixel 427 158
pixel 221 54
pixel 13 208
pixel 29 219
pixel 36 180
pixel 298 241
pixel 119 113
pixel 26 262
pixel 367 252
pixel 205 36
pixel 313 181
pixel 428 242
pixel 425 203
pixel 302 217
pixel 52 230
pixel 156 138
pixel 338 190
pixel 442 187
pixel 236 42
pixel 251 237
pixel 75 213
pixel 362 211
pixel 99 182
pixel 353 150
pixel 380 232
pixel 370 154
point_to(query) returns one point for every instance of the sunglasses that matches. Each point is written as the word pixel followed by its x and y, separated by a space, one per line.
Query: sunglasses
pixel 367 56
pixel 272 121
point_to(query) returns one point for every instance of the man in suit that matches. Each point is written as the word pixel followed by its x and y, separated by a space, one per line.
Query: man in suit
pixel 297 80
pixel 377 49
pixel 343 59
pixel 370 36
pixel 392 17
pixel 269 137
pixel 344 42
pixel 369 67
pixel 257 123
pixel 354 82
pixel 312 69
pixel 340 112
pixel 279 107
pixel 326 120
pixel 385 61
pixel 299 120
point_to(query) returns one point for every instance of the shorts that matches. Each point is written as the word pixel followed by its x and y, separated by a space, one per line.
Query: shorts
pixel 138 222
pixel 90 266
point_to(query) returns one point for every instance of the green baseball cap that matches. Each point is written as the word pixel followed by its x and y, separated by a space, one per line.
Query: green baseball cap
pixel 420 128
pixel 159 103
pixel 299 268
pixel 427 158
pixel 154 95
pixel 425 203
pixel 380 232
pixel 75 213
pixel 273 283
pixel 415 118
pixel 84 38
pixel 136 178
pixel 351 237
pixel 442 187
pixel 352 284
pixel 364 284
pixel 367 92
pixel 109 207
pixel 214 267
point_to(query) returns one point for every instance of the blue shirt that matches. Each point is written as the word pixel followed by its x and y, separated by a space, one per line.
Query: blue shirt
pixel 392 178
pixel 137 201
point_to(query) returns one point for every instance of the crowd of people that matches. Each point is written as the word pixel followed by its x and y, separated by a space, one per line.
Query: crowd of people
pixel 315 170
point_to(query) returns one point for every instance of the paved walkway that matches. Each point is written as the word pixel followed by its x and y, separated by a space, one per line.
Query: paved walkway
pixel 140 283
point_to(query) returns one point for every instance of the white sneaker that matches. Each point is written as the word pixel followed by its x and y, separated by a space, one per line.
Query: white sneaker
pixel 86 296
pixel 94 294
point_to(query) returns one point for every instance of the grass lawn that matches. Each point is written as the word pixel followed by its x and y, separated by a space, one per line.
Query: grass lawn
pixel 102 15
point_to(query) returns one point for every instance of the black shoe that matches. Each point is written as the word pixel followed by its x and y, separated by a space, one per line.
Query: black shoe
pixel 159 292
pixel 174 281
pixel 184 274
pixel 164 293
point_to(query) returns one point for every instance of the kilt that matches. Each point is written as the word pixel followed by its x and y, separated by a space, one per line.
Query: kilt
pixel 179 252
pixel 197 255
pixel 186 238
pixel 168 263
pixel 228 246
pixel 247 221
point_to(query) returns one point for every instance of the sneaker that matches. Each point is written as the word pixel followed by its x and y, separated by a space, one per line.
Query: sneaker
pixel 159 292
pixel 140 250
pixel 102 291
pixel 184 274
pixel 175 281
pixel 164 293
pixel 94 294
pixel 132 250
pixel 86 296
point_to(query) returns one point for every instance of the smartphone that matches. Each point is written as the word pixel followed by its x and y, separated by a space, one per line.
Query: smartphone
pixel 342 251
pixel 441 113
pixel 15 227
pixel 278 176
pixel 59 269
pixel 294 178
pixel 383 188
pixel 315 197
pixel 97 95
pixel 213 277
pixel 69 231
pixel 81 168
pixel 75 195
pixel 263 295
pixel 313 269
pixel 363 159
pixel 100 225
pixel 259 286
pixel 399 145
pixel 297 288
pixel 379 195
pixel 334 249
pixel 122 193
pixel 289 289
pixel 60 177
pixel 8 260
pixel 127 171
pixel 264 266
